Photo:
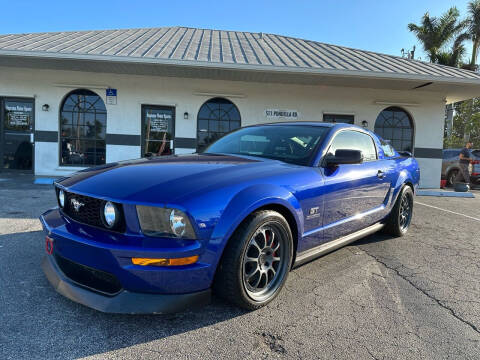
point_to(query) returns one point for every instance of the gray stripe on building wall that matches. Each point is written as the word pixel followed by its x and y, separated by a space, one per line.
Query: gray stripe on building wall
pixel 187 143
pixel 122 139
pixel 428 153
pixel 46 136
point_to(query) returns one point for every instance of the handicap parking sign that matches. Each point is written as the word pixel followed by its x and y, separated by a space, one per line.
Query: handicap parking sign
pixel 111 96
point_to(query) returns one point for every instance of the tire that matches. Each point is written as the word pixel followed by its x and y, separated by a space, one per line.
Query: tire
pixel 452 175
pixel 256 261
pixel 400 217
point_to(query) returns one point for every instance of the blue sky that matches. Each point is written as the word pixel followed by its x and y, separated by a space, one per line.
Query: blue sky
pixel 379 25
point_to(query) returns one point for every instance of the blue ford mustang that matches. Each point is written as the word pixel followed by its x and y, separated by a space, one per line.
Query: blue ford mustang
pixel 158 234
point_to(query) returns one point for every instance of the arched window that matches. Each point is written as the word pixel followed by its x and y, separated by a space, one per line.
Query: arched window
pixel 216 117
pixel 395 125
pixel 83 123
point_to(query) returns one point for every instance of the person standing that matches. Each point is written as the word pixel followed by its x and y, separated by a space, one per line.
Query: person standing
pixel 465 158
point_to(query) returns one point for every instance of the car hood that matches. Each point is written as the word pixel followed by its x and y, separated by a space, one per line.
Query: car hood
pixel 166 179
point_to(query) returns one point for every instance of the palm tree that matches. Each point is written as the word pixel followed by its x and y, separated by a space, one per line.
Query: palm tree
pixel 436 32
pixel 453 56
pixel 474 29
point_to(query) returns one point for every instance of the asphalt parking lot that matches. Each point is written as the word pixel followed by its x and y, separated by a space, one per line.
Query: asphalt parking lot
pixel 413 297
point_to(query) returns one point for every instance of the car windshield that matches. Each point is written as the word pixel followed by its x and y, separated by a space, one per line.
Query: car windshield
pixel 289 143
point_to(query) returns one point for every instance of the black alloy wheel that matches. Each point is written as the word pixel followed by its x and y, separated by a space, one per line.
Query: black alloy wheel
pixel 400 217
pixel 256 261
pixel 406 211
pixel 263 267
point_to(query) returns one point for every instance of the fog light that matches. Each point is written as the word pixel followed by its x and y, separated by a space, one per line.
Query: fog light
pixel 110 214
pixel 165 262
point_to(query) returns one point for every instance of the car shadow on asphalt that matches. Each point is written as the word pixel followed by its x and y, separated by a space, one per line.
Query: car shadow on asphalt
pixel 37 320
pixel 374 238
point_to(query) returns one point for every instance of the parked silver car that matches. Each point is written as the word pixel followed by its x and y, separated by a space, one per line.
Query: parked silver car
pixel 450 166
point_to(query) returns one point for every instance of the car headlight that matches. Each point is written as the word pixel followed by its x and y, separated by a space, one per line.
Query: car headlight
pixel 164 222
pixel 110 215
pixel 61 198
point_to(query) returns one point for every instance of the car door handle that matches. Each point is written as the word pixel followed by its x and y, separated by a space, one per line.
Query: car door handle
pixel 380 174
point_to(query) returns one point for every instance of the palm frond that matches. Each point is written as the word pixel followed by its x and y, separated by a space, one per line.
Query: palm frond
pixel 448 25
pixel 454 56
pixel 435 33
pixel 474 19
pixel 444 58
pixel 460 39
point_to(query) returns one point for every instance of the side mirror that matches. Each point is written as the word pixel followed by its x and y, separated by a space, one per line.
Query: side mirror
pixel 344 156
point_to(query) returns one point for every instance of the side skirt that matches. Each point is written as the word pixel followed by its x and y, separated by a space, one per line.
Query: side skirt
pixel 330 246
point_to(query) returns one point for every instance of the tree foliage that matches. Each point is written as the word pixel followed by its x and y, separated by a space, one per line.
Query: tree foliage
pixel 466 125
pixel 474 29
pixel 436 33
pixel 443 40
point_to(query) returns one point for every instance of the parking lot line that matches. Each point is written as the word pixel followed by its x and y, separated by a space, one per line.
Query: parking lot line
pixel 449 211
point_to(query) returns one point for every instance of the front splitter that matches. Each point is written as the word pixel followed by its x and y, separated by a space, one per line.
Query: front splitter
pixel 125 302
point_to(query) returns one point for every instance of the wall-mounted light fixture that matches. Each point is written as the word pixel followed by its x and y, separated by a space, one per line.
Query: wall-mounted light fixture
pixel 45 107
pixel 185 115
pixel 365 124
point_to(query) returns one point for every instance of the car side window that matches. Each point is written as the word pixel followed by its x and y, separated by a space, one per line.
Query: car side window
pixel 354 140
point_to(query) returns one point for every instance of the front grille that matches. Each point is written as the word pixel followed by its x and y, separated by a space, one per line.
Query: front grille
pixel 94 279
pixel 90 212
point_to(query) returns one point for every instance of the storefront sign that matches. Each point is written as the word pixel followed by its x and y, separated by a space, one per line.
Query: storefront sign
pixel 18 108
pixel 112 96
pixel 281 114
pixel 18 115
pixel 158 121
pixel 17 118
pixel 158 129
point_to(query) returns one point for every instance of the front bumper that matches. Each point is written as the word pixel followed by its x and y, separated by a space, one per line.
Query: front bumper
pixel 93 267
pixel 124 302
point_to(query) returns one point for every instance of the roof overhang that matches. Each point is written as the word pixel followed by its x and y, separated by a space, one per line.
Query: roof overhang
pixel 450 88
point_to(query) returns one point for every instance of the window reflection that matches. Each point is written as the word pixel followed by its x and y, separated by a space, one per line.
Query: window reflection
pixel 83 120
pixel 216 117
pixel 158 130
pixel 354 140
pixel 395 125
pixel 335 118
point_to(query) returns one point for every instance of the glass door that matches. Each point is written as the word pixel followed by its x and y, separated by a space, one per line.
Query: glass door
pixel 158 130
pixel 16 133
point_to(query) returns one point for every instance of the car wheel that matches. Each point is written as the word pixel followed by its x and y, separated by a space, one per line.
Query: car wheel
pixel 452 175
pixel 400 218
pixel 256 261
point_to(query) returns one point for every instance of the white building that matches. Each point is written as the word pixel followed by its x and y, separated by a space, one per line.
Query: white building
pixel 172 90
